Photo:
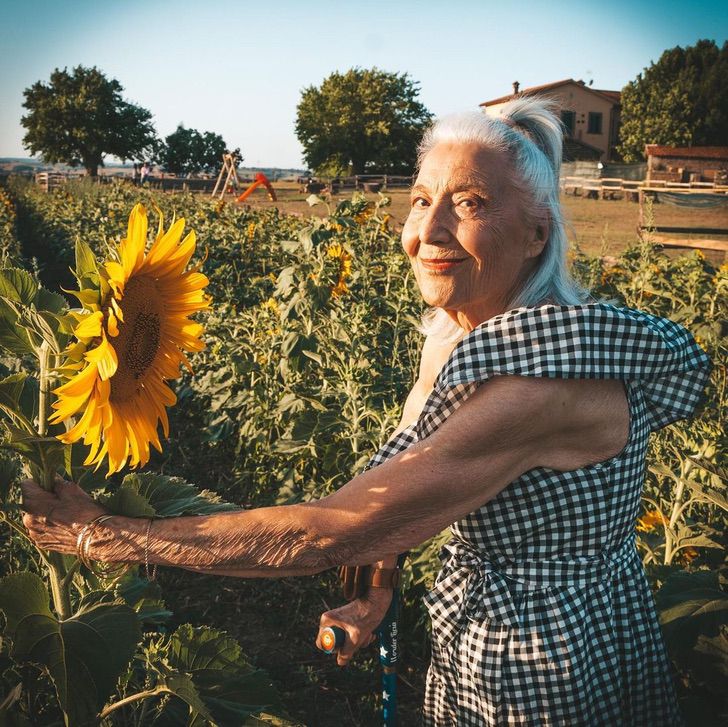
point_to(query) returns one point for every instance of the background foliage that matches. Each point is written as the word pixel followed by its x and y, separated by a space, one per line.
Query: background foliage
pixel 78 117
pixel 364 120
pixel 188 151
pixel 681 100
pixel 311 349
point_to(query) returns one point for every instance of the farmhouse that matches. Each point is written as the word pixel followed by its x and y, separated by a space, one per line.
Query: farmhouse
pixel 687 164
pixel 590 115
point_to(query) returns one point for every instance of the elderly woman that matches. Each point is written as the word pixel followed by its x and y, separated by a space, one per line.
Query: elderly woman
pixel 525 432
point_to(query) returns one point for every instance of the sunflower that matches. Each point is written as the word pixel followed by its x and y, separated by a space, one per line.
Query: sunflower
pixel 130 341
pixel 649 520
pixel 337 252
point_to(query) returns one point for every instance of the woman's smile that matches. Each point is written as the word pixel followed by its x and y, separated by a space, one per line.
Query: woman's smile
pixel 441 265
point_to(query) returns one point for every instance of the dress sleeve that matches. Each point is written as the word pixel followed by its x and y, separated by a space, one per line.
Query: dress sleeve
pixel 598 341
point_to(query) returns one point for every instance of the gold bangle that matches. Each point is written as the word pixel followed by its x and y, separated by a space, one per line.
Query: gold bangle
pixel 83 550
pixel 151 574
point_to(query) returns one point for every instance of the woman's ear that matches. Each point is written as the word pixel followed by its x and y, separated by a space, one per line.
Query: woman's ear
pixel 539 237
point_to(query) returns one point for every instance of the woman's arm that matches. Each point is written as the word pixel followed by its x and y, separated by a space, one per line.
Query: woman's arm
pixel 507 427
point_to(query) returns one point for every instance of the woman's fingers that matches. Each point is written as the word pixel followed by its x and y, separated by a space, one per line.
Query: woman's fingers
pixel 354 619
pixel 54 519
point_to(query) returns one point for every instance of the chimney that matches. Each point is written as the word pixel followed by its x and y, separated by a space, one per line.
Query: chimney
pixel 516 86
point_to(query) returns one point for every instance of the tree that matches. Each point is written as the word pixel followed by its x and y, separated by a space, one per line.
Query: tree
pixel 365 120
pixel 682 100
pixel 79 117
pixel 187 151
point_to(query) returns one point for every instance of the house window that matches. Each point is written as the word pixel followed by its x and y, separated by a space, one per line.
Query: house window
pixel 595 123
pixel 568 118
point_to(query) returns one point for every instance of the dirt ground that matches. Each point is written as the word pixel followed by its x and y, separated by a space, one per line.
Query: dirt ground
pixel 598 227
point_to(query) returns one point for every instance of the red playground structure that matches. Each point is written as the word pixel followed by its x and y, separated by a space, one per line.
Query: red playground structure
pixel 260 179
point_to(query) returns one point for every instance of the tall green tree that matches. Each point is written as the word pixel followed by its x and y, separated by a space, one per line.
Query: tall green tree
pixel 362 120
pixel 187 151
pixel 682 100
pixel 80 117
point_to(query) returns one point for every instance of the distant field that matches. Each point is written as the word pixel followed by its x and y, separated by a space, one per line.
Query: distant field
pixel 597 226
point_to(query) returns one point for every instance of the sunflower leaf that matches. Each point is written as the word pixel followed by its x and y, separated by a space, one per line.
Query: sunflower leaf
pixel 13 338
pixel 145 494
pixel 223 679
pixel 691 605
pixel 11 389
pixel 84 655
pixel 44 452
pixel 144 596
pixel 17 285
pixel 49 302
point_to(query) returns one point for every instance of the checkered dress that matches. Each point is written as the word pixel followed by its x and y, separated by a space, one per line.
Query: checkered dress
pixel 541 614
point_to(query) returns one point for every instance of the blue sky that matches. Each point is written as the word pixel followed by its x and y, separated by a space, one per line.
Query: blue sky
pixel 238 68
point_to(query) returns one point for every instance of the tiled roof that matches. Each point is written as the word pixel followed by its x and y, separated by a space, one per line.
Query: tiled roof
pixel 688 152
pixel 616 96
pixel 613 96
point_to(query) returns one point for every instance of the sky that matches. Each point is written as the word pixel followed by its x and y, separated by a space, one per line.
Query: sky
pixel 237 67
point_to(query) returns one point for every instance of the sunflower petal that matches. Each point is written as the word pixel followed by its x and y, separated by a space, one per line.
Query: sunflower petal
pixel 116 275
pixel 104 356
pixel 132 249
pixel 90 326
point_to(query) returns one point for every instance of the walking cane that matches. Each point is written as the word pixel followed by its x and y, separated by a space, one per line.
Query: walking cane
pixel 334 637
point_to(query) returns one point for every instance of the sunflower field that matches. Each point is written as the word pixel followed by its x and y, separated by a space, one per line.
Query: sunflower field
pixel 310 347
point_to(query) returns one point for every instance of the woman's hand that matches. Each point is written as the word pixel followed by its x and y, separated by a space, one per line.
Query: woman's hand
pixel 359 619
pixel 54 519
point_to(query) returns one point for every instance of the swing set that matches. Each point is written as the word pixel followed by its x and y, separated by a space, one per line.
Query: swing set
pixel 228 180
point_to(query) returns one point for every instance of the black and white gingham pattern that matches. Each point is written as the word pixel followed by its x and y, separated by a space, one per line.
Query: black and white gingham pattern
pixel 541 613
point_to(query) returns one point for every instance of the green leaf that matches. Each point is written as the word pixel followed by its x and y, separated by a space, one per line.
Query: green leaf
pixel 691 605
pixel 700 541
pixel 44 452
pixel 146 494
pixel 708 466
pixel 84 655
pixel 17 285
pixel 9 473
pixel 50 302
pixel 229 686
pixel 11 389
pixel 128 502
pixel 144 596
pixel 13 337
pixel 290 245
pixel 182 686
pixel 709 493
pixel 313 356
pixel 87 272
pixel 290 446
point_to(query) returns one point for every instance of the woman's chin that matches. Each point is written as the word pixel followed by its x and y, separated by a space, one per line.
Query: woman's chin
pixel 436 297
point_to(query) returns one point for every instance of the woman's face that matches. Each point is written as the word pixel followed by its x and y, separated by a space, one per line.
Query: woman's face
pixel 467 235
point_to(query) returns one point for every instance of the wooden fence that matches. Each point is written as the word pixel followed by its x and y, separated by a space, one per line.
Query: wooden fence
pixel 613 187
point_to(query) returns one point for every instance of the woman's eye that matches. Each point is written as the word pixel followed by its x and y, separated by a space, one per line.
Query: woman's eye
pixel 468 204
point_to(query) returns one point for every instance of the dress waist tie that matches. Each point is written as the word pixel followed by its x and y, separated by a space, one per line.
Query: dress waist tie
pixel 470 587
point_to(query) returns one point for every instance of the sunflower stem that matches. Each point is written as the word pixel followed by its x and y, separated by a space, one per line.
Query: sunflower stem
pixel 56 567
pixel 44 355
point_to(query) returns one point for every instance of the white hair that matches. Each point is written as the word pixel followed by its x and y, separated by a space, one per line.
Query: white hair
pixel 529 131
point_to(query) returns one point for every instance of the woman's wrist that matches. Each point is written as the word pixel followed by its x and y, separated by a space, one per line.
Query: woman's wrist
pixel 119 540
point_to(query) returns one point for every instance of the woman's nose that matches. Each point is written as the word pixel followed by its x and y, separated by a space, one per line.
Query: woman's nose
pixel 434 225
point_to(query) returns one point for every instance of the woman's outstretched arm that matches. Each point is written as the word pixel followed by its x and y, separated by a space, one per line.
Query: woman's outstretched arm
pixel 507 427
